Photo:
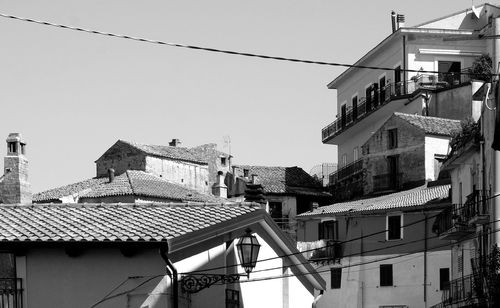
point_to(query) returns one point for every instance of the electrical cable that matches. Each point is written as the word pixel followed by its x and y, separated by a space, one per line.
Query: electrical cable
pixel 222 51
pixel 340 242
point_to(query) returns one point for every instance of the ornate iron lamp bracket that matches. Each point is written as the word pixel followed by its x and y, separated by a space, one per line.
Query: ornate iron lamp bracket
pixel 194 283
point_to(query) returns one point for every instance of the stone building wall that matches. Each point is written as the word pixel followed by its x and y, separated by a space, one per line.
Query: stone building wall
pixel 410 151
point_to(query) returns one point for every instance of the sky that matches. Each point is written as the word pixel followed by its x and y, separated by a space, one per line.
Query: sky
pixel 72 95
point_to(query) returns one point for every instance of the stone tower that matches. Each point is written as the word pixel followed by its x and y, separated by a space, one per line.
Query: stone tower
pixel 15 186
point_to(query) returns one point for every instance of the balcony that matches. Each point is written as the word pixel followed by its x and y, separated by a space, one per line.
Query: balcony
pixel 476 207
pixel 324 250
pixel 470 289
pixel 449 225
pixel 11 291
pixel 346 172
pixel 391 92
pixel 387 182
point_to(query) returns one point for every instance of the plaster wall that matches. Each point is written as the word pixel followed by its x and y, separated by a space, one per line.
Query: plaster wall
pixel 360 284
pixel 434 145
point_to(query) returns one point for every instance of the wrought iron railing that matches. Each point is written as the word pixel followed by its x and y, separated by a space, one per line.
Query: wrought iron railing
pixel 388 181
pixel 346 172
pixel 287 225
pixel 466 288
pixel 321 250
pixel 476 204
pixel 391 91
pixel 11 293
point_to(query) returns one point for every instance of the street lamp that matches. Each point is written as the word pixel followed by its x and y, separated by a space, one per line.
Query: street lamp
pixel 248 251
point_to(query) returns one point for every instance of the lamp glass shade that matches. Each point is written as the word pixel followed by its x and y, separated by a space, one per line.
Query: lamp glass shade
pixel 248 251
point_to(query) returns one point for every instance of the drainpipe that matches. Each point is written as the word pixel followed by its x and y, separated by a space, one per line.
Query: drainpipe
pixel 425 258
pixel 171 270
pixel 496 154
pixel 405 75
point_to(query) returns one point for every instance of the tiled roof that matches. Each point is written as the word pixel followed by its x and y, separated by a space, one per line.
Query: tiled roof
pixel 432 125
pixel 131 182
pixel 172 152
pixel 111 222
pixel 408 198
pixel 284 180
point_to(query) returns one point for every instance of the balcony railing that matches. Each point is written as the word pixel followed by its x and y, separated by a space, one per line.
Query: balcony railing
pixel 11 291
pixel 468 288
pixel 322 250
pixel 346 172
pixel 449 225
pixel 387 182
pixel 476 207
pixel 392 91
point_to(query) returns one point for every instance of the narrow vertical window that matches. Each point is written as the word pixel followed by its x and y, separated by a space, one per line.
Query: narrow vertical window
pixel 394 227
pixel 336 277
pixel 444 278
pixel 386 275
pixel 232 298
pixel 392 138
pixel 354 108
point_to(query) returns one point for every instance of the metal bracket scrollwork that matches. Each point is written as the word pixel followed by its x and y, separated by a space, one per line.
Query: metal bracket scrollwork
pixel 196 282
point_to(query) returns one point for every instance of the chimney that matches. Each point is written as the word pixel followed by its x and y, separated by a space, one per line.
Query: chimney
pixel 174 143
pixel 255 179
pixel 393 21
pixel 111 174
pixel 219 189
pixel 400 20
pixel 15 188
pixel 315 205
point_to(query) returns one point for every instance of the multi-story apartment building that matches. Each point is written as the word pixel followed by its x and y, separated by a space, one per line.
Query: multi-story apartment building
pixel 422 71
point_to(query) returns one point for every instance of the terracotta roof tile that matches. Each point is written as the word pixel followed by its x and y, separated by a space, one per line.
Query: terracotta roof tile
pixel 131 182
pixel 172 152
pixel 112 222
pixel 284 180
pixel 408 198
pixel 432 125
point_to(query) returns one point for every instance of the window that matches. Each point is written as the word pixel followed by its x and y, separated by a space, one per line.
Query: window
pixel 385 275
pixel 394 227
pixel 444 278
pixel 223 161
pixel 232 298
pixel 335 277
pixel 354 107
pixel 392 138
pixel 344 160
pixel 355 154
pixel 343 115
pixel 12 147
pixel 328 230
pixel 381 83
pixel 245 173
pixel 398 85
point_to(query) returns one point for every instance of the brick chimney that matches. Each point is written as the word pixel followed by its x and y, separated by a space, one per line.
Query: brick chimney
pixel 15 188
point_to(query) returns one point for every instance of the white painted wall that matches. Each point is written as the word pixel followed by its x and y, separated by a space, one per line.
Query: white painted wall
pixel 434 145
pixel 360 286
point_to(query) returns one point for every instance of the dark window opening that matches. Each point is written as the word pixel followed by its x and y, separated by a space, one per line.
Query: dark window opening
pixel 386 275
pixel 444 278
pixel 354 108
pixel 449 72
pixel 343 115
pixel 368 98
pixel 398 85
pixel 328 230
pixel 392 138
pixel 12 147
pixel 336 277
pixel 232 298
pixel 394 227
pixel 375 94
pixel 382 89
pixel 223 161
pixel 245 173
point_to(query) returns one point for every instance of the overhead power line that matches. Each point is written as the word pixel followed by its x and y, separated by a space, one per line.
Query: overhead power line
pixel 222 51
